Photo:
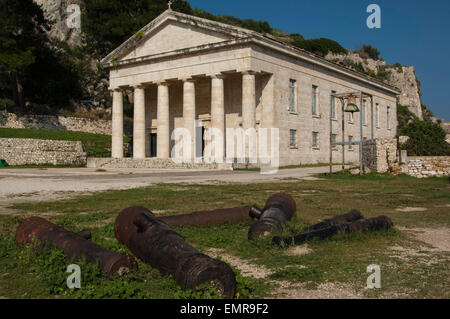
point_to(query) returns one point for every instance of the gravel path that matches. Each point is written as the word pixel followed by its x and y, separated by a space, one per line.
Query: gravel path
pixel 19 185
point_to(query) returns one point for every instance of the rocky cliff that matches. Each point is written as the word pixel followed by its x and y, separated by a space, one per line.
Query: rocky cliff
pixel 402 77
pixel 56 12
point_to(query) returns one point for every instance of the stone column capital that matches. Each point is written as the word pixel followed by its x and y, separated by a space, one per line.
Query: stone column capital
pixel 162 83
pixel 138 86
pixel 218 76
pixel 187 80
pixel 249 72
pixel 120 90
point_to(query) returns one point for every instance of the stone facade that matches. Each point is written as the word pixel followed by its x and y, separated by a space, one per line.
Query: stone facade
pixel 380 155
pixel 50 122
pixel 186 71
pixel 427 166
pixel 19 151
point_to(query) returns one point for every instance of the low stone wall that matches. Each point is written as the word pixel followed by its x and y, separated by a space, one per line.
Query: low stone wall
pixel 23 151
pixel 49 122
pixel 380 154
pixel 426 166
pixel 155 163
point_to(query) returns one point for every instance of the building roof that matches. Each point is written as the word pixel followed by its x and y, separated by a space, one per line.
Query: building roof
pixel 239 35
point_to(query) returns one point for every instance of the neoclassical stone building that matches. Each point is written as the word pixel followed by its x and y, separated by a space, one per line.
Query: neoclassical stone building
pixel 195 73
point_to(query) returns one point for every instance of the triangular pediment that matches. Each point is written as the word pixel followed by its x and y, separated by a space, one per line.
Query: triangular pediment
pixel 173 31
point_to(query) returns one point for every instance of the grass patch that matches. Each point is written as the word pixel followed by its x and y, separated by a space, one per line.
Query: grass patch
pixel 341 259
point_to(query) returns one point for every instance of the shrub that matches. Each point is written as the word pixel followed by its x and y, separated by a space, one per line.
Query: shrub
pixel 426 139
pixel 320 46
pixel 368 51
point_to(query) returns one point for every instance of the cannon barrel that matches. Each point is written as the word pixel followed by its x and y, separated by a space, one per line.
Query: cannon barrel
pixel 339 219
pixel 375 223
pixel 279 209
pixel 155 243
pixel 213 217
pixel 73 245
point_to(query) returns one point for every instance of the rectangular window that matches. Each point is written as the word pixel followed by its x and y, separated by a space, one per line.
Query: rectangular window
pixel 315 110
pixel 350 139
pixel 350 117
pixel 292 96
pixel 333 140
pixel 364 113
pixel 377 115
pixel 388 120
pixel 315 139
pixel 333 105
pixel 293 138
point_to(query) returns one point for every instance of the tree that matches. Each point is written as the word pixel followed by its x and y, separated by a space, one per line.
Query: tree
pixel 108 23
pixel 368 51
pixel 22 33
pixel 425 139
pixel 258 26
pixel 320 46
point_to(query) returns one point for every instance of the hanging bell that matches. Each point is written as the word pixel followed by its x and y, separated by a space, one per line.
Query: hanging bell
pixel 351 105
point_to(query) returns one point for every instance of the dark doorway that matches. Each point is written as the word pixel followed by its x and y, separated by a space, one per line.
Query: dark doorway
pixel 153 144
pixel 199 141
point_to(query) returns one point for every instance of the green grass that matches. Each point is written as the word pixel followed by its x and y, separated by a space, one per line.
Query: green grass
pixel 341 259
pixel 96 145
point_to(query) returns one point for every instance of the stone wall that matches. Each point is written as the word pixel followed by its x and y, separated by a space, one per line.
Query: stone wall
pixel 153 163
pixel 426 166
pixel 21 151
pixel 380 155
pixel 50 122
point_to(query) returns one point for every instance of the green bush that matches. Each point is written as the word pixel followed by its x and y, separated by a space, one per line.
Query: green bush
pixel 425 139
pixel 368 51
pixel 320 46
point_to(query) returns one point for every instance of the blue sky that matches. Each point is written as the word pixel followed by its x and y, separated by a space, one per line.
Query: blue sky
pixel 413 32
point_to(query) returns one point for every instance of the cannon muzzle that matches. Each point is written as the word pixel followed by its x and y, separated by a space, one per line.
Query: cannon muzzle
pixel 279 209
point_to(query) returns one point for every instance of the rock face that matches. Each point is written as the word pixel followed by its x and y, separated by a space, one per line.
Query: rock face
pixel 446 127
pixel 56 11
pixel 406 81
pixel 402 77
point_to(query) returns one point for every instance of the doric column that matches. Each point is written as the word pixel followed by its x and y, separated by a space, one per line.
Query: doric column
pixel 139 122
pixel 248 100
pixel 117 125
pixel 218 112
pixel 249 111
pixel 163 130
pixel 189 111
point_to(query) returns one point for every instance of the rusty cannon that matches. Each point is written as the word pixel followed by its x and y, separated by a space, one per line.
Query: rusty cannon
pixel 279 208
pixel 351 216
pixel 364 225
pixel 213 217
pixel 155 243
pixel 74 245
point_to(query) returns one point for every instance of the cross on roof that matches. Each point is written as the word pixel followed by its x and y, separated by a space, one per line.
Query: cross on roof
pixel 170 4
